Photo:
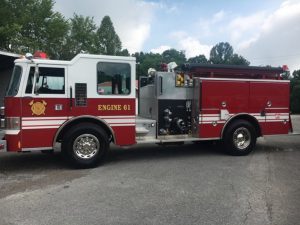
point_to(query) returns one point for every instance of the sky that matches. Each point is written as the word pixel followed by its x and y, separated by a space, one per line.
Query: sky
pixel 265 32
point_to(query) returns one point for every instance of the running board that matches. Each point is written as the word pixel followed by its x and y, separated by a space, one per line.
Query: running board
pixel 162 141
pixel 289 134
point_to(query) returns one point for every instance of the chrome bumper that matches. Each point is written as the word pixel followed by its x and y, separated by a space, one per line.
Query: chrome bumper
pixel 3 145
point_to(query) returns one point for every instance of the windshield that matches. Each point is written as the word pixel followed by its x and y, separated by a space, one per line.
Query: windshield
pixel 14 81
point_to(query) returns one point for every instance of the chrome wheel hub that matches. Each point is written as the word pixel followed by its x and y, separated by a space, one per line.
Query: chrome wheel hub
pixel 242 138
pixel 86 146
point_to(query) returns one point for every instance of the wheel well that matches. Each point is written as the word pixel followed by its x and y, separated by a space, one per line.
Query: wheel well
pixel 60 134
pixel 252 120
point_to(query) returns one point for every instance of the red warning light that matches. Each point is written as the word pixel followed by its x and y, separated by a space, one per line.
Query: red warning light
pixel 40 55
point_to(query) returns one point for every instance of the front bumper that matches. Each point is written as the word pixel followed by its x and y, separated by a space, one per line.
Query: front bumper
pixel 3 146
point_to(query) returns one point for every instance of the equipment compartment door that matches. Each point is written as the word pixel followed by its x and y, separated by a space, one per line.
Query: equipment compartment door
pixel 272 98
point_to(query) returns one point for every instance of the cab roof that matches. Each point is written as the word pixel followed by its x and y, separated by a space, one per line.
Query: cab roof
pixel 75 59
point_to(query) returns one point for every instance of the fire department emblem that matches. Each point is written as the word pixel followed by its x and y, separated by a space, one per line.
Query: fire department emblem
pixel 38 108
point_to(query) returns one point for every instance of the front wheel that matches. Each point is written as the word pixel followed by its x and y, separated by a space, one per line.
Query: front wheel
pixel 85 145
pixel 240 138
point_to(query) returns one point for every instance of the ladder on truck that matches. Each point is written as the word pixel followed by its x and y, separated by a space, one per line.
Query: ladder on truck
pixel 232 71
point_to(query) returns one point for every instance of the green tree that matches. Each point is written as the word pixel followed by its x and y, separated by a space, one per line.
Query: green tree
pixel 172 55
pixel 146 61
pixel 9 27
pixel 239 60
pixel 57 30
pixel 31 25
pixel 124 52
pixel 295 92
pixel 108 42
pixel 81 38
pixel 295 97
pixel 296 74
pixel 140 57
pixel 222 53
pixel 198 59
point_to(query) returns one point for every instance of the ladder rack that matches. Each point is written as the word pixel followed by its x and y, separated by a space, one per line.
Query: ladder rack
pixel 232 71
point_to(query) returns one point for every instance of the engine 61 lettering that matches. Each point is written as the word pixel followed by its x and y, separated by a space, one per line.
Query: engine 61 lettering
pixel 113 107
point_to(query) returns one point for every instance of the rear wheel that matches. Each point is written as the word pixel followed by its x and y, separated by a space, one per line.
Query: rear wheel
pixel 85 145
pixel 240 138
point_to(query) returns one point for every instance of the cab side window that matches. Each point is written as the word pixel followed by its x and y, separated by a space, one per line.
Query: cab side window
pixel 51 81
pixel 113 78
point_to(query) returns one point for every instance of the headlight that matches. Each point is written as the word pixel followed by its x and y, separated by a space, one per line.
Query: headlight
pixel 12 123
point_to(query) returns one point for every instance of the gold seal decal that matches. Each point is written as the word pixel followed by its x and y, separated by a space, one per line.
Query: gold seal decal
pixel 38 108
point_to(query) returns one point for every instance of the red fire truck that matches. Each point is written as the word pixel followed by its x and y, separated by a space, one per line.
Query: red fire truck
pixel 82 105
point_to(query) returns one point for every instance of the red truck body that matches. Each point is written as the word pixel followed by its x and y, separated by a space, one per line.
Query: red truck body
pixel 90 101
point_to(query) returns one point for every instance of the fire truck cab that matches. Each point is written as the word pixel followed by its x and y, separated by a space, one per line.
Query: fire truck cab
pixel 84 104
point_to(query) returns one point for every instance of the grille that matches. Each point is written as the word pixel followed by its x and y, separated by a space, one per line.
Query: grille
pixel 80 94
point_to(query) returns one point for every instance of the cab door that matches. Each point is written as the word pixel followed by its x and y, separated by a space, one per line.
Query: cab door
pixel 44 106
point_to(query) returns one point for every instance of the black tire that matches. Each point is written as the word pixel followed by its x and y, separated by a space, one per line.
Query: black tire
pixel 239 138
pixel 85 145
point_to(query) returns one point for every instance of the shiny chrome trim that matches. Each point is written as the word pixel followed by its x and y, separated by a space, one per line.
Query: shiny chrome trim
pixel 36 149
pixel 80 117
pixel 241 138
pixel 11 132
pixel 86 146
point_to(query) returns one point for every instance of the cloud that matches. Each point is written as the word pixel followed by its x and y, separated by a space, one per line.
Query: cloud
pixel 265 37
pixel 169 8
pixel 160 49
pixel 191 45
pixel 131 18
pixel 246 29
pixel 269 38
pixel 217 17
pixel 184 42
pixel 211 26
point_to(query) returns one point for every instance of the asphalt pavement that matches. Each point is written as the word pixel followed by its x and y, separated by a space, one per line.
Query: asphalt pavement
pixel 150 184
